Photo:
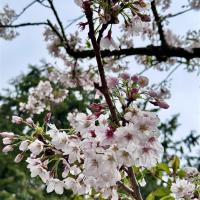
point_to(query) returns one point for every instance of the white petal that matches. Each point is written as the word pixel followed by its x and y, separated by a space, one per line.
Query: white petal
pixel 50 186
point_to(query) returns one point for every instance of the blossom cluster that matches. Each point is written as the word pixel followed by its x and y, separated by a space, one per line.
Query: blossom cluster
pixel 66 78
pixel 134 14
pixel 185 188
pixel 7 16
pixel 129 89
pixel 92 154
pixel 41 96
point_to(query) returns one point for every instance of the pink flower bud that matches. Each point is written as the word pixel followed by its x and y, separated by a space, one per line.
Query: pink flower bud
pixel 7 149
pixel 19 158
pixel 163 104
pixel 125 76
pixel 135 78
pixel 29 121
pixel 17 120
pixel 152 94
pixel 7 134
pixel 47 117
pixel 143 81
pixel 134 91
pixel 112 82
pixel 96 107
pixel 7 140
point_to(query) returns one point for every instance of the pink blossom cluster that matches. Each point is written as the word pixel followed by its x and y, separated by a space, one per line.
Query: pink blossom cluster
pixel 92 154
pixel 41 96
pixel 129 88
pixel 7 16
pixel 185 188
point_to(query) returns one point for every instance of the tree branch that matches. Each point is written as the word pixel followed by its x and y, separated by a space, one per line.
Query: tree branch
pixel 97 52
pixel 58 19
pixel 176 14
pixel 134 184
pixel 157 51
pixel 23 25
pixel 125 188
pixel 159 23
pixel 103 28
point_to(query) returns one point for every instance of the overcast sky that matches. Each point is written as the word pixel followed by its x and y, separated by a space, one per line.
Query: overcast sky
pixel 29 48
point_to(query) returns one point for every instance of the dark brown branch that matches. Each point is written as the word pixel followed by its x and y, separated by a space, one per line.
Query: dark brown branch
pixel 157 51
pixel 160 52
pixel 134 184
pixel 56 32
pixel 23 25
pixel 97 52
pixel 58 19
pixel 158 23
pixel 103 28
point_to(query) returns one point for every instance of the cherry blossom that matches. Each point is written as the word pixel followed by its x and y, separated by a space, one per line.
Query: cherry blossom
pixel 36 147
pixel 182 189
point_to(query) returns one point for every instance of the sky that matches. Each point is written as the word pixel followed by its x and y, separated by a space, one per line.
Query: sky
pixel 29 48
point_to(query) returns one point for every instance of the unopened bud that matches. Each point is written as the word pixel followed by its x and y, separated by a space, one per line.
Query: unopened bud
pixel 7 149
pixel 7 134
pixel 125 76
pixel 47 118
pixel 134 91
pixel 163 104
pixel 19 158
pixel 153 94
pixel 7 140
pixel 29 121
pixel 16 120
pixel 145 18
pixel 135 78
pixel 112 82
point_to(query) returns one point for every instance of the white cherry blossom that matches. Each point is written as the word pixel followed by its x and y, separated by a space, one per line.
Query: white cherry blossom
pixel 36 147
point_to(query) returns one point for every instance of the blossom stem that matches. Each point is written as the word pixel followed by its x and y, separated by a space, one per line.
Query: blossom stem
pixel 126 189
pixel 136 189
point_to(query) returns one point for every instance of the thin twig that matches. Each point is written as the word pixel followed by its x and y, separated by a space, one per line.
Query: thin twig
pixel 103 28
pixel 125 188
pixel 74 20
pixel 41 3
pixel 25 8
pixel 159 24
pixel 58 19
pixel 23 25
pixel 176 14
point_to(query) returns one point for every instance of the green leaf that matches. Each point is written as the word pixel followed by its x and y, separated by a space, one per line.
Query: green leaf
pixel 167 198
pixel 175 164
pixel 151 196
pixel 163 167
pixel 181 173
pixel 160 192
